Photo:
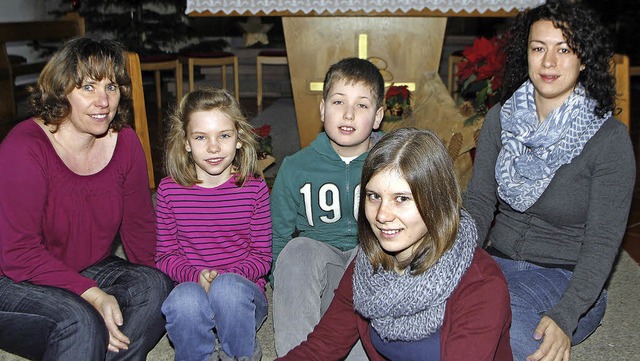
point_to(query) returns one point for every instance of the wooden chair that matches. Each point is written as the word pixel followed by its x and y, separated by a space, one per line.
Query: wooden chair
pixel 452 81
pixel 157 63
pixel 139 111
pixel 267 57
pixel 620 69
pixel 213 58
pixel 63 29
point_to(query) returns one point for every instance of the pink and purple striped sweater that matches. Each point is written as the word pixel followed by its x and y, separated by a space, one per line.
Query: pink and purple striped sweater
pixel 226 228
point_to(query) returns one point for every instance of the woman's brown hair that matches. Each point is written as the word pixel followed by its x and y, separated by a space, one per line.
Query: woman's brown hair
pixel 80 59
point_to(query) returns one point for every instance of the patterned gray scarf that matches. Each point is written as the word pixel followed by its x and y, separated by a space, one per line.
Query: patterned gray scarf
pixel 531 151
pixel 407 307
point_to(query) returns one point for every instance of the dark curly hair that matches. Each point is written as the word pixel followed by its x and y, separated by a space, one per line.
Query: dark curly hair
pixel 585 35
pixel 75 61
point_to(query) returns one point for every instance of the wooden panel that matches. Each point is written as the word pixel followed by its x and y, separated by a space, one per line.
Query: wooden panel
pixel 409 46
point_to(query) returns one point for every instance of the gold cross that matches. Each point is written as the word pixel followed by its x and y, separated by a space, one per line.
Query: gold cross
pixel 317 86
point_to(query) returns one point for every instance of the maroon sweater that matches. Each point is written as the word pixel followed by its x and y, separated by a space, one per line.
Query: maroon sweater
pixel 476 320
pixel 55 223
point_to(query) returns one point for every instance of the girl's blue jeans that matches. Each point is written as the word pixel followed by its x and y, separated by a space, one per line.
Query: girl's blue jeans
pixel 235 307
pixel 534 290
pixel 50 323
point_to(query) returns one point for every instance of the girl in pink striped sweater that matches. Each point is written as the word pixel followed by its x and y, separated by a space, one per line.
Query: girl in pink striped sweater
pixel 214 231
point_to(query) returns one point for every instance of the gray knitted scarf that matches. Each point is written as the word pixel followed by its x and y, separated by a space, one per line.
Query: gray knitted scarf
pixel 408 307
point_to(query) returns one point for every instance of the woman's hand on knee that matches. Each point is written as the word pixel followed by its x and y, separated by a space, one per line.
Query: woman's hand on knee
pixel 555 346
pixel 109 309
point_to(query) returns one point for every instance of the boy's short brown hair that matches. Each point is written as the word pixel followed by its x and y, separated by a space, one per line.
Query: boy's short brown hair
pixel 356 70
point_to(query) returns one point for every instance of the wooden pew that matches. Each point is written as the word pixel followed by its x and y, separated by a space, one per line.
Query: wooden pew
pixel 63 29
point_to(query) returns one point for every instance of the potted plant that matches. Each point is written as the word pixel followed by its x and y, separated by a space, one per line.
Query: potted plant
pixel 479 77
pixel 398 102
pixel 264 141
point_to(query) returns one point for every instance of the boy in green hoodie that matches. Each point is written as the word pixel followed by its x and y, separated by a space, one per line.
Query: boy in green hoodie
pixel 315 200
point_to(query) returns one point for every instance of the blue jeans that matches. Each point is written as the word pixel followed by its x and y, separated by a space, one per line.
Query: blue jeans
pixel 306 275
pixel 534 290
pixel 234 306
pixel 50 323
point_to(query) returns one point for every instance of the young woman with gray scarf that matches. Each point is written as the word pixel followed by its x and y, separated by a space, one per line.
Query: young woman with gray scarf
pixel 557 170
pixel 419 288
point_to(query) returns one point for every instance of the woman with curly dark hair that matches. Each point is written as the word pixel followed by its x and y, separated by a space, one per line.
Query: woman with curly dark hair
pixel 587 39
pixel 553 178
pixel 73 177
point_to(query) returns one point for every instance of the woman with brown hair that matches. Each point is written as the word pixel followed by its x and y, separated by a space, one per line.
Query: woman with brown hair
pixel 73 178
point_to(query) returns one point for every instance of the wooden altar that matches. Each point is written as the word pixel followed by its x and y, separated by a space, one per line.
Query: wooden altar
pixel 404 37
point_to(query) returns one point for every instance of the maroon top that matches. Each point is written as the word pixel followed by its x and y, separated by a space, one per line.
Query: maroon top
pixel 476 320
pixel 55 223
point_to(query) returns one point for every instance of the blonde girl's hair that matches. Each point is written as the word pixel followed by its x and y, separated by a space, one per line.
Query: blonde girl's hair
pixel 179 164
pixel 421 158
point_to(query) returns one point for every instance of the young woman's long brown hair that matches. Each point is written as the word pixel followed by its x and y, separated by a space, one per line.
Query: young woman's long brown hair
pixel 423 161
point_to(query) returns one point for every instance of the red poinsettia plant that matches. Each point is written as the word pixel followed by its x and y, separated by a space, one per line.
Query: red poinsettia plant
pixel 264 140
pixel 398 102
pixel 480 75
